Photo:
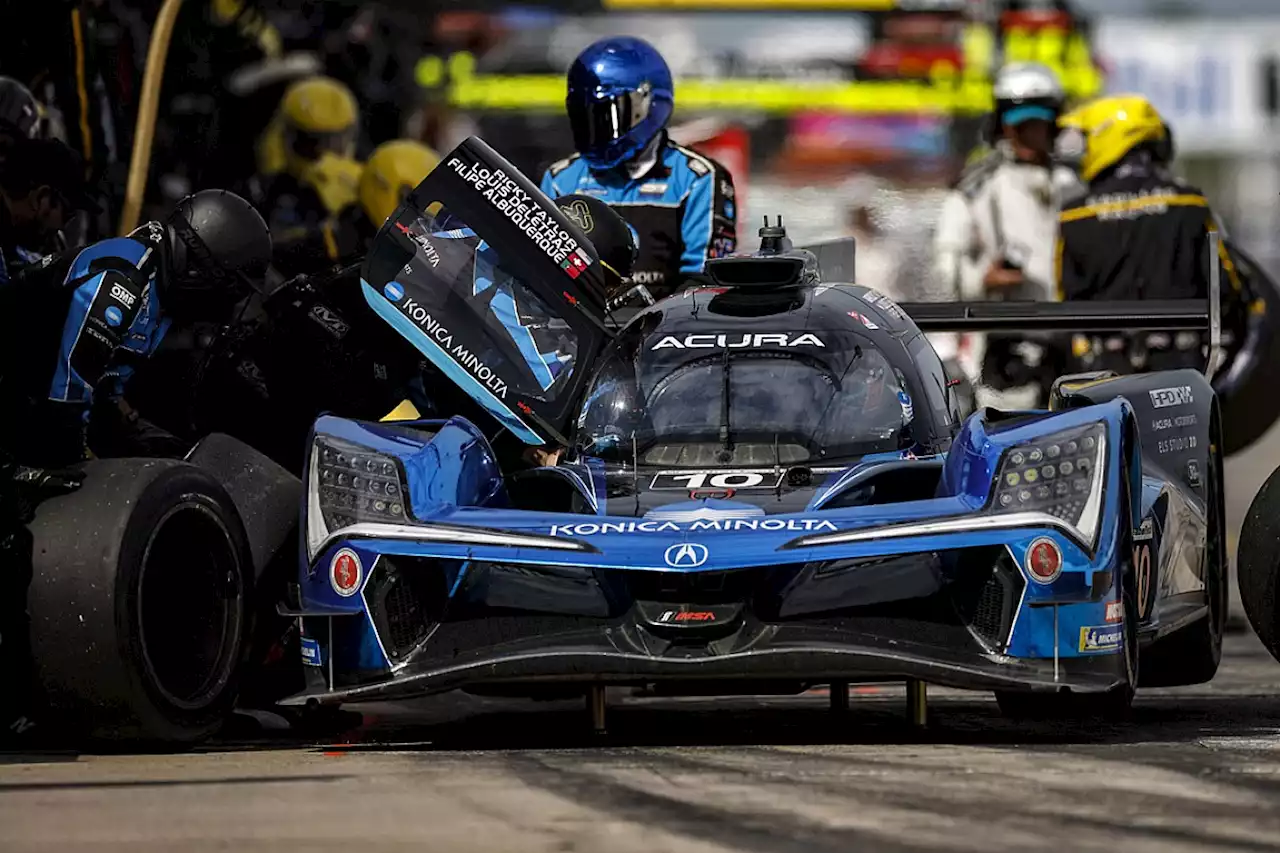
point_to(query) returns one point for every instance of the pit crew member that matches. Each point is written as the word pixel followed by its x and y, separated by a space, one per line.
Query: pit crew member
pixel 1139 232
pixel 41 186
pixel 317 116
pixel 680 203
pixel 393 169
pixel 63 345
pixel 997 229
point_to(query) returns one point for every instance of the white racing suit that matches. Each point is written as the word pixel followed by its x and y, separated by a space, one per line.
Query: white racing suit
pixel 999 209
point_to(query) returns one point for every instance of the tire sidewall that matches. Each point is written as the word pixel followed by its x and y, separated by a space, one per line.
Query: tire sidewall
pixel 1258 564
pixel 158 718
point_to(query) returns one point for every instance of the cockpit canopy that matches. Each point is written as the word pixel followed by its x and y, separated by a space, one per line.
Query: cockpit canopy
pixel 745 397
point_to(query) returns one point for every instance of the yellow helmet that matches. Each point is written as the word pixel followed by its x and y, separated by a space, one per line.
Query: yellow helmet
pixel 335 179
pixel 317 114
pixel 394 169
pixel 1112 127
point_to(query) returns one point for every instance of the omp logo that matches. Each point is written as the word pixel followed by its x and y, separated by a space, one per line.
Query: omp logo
pixel 1163 398
pixel 743 341
pixel 121 294
pixel 689 555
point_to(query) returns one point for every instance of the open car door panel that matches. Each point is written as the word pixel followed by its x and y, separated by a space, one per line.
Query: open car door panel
pixel 486 277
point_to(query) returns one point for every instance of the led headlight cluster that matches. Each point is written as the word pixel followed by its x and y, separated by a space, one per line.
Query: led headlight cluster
pixel 1060 475
pixel 351 484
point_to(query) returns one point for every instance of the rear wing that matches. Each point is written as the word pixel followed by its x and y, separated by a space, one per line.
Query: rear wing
pixel 1114 316
pixel 1170 315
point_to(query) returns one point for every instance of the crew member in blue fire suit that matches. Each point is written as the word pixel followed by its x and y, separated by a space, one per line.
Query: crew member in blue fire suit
pixel 680 204
pixel 77 339
pixel 62 344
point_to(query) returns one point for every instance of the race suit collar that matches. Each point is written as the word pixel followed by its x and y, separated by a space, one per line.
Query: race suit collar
pixel 647 159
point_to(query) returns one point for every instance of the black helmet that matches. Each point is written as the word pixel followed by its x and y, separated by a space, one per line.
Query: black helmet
pixel 613 238
pixel 221 249
pixel 20 112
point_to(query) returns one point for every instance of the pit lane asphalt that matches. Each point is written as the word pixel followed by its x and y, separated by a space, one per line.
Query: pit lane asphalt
pixel 1197 769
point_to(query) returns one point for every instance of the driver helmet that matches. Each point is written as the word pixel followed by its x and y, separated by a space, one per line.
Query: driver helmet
pixel 393 170
pixel 317 115
pixel 620 99
pixel 220 248
pixel 613 238
pixel 1026 91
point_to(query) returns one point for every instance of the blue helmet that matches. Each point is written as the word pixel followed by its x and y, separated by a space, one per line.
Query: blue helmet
pixel 620 98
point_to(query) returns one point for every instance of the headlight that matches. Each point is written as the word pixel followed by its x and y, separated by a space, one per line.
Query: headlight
pixel 1060 474
pixel 350 484
pixel 355 491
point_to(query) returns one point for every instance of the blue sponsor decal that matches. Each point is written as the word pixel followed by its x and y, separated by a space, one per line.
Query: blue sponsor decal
pixel 114 316
pixel 1101 638
pixel 728 209
pixel 393 291
pixel 311 652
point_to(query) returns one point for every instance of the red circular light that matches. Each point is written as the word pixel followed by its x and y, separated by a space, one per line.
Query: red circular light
pixel 345 572
pixel 1044 560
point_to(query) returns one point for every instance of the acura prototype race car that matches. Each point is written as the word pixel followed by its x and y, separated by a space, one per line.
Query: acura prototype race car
pixel 762 485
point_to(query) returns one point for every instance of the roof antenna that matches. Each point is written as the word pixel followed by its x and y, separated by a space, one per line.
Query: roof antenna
pixel 773 238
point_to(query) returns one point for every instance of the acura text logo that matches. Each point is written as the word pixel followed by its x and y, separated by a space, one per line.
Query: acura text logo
pixel 687 556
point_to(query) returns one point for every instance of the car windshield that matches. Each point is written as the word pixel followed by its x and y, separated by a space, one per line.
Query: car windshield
pixel 464 301
pixel 753 399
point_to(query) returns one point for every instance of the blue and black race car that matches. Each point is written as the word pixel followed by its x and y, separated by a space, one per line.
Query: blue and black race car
pixel 760 484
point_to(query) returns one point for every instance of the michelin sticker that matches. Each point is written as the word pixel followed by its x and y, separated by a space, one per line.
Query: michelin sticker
pixel 311 652
pixel 502 191
pixel 1101 638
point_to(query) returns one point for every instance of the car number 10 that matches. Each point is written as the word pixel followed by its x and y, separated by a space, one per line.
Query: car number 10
pixel 692 481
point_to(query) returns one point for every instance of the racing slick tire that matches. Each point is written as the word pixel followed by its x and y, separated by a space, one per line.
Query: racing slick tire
pixel 140 603
pixel 1191 655
pixel 1258 564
